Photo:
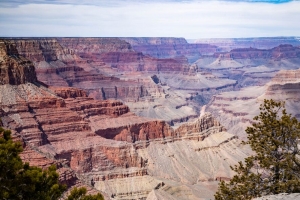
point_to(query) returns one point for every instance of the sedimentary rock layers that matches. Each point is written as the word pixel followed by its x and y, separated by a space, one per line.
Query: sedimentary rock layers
pixel 14 69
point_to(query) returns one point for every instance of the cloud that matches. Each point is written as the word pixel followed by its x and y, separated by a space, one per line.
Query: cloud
pixel 191 19
pixel 122 2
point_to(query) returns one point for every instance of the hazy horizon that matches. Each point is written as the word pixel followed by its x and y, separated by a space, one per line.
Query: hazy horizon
pixel 190 19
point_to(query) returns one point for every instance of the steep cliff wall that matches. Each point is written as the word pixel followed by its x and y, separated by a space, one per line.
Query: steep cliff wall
pixel 89 46
pixel 14 69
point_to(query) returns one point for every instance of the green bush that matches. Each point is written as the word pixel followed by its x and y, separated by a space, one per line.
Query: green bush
pixel 19 180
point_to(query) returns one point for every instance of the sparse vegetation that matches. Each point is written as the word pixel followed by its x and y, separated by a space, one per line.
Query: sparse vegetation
pixel 21 181
pixel 275 167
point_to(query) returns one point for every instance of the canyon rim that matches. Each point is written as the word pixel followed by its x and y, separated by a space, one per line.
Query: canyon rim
pixel 160 117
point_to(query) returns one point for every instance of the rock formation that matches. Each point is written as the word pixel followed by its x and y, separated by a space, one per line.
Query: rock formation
pixel 101 144
pixel 14 71
pixel 108 68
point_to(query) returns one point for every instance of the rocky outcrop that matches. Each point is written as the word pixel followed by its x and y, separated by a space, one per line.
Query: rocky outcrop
pixel 14 69
pixel 67 92
pixel 199 125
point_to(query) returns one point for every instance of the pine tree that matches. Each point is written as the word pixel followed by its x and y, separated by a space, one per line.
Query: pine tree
pixel 80 194
pixel 20 181
pixel 275 167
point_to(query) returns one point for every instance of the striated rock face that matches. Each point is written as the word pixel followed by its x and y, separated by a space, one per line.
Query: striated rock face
pixel 16 70
pixel 200 125
pixel 39 49
pixel 67 92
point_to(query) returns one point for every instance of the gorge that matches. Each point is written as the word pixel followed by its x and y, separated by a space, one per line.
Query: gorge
pixel 142 118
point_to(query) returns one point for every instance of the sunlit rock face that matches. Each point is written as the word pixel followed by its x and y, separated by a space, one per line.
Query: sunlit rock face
pixel 15 69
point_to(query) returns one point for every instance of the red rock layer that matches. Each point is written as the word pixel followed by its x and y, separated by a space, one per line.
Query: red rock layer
pixel 39 49
pixel 67 92
pixel 16 70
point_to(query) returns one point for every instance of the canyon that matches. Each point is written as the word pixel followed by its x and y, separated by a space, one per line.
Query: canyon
pixel 142 118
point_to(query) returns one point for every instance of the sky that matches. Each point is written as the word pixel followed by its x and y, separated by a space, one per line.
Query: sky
pixel 191 19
